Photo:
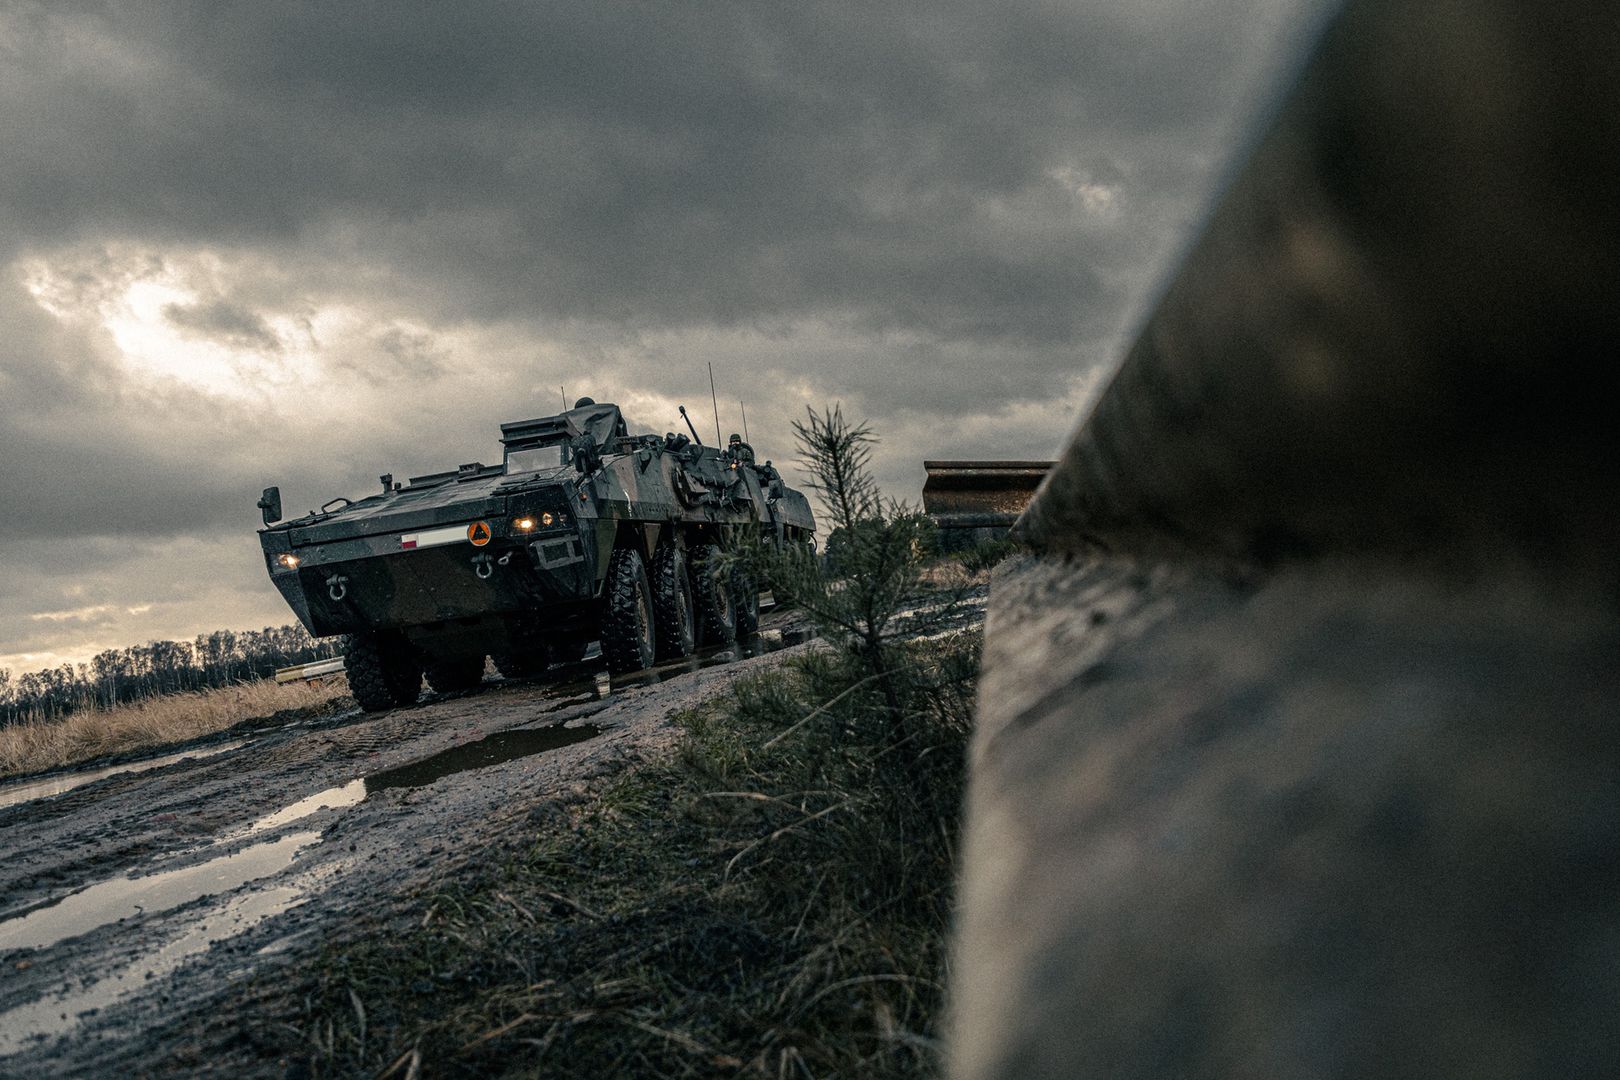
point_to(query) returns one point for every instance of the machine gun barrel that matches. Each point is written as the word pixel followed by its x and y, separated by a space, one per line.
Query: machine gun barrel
pixel 695 436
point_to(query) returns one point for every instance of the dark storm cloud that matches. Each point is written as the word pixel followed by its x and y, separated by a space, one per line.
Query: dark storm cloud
pixel 656 163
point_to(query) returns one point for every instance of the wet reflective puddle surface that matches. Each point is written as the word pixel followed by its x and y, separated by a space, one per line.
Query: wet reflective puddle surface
pixel 127 897
pixel 123 898
pixel 13 794
pixel 59 1011
pixel 496 749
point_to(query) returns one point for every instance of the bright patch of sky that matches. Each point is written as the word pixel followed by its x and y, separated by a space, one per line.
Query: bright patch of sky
pixel 140 302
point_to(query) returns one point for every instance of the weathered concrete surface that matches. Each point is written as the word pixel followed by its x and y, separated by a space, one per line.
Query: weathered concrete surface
pixel 1343 822
pixel 1397 332
pixel 1297 750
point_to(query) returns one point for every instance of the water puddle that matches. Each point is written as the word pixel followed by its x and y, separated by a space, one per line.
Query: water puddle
pixel 127 897
pixel 494 749
pixel 57 785
pixel 336 798
pixel 575 684
pixel 955 610
pixel 58 1012
pixel 502 746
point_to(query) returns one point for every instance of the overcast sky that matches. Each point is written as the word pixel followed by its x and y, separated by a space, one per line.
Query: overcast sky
pixel 309 243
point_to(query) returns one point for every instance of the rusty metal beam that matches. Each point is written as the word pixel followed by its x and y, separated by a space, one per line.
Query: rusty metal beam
pixel 981 487
pixel 312 670
pixel 972 501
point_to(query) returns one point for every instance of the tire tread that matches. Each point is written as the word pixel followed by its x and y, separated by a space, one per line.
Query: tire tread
pixel 622 634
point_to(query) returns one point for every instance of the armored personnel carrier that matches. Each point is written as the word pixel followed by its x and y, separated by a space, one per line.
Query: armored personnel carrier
pixel 582 533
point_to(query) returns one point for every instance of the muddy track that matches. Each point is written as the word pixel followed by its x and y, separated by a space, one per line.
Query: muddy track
pixel 129 903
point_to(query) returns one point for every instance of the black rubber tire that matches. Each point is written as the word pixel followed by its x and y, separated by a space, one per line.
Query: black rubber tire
pixel 629 640
pixel 745 598
pixel 673 608
pixel 711 589
pixel 448 676
pixel 382 672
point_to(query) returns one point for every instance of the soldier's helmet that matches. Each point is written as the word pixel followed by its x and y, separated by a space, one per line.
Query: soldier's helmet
pixel 735 438
pixel 584 401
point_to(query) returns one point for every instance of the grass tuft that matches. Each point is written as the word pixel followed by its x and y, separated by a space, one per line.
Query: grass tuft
pixel 984 556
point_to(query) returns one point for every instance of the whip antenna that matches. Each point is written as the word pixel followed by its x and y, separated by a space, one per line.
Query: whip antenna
pixel 719 440
pixel 744 409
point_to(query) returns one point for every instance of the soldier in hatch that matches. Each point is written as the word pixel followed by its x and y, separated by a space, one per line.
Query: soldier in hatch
pixel 738 451
pixel 587 455
pixel 771 481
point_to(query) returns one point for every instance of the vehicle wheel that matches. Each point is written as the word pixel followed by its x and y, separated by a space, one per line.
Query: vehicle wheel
pixel 446 676
pixel 745 596
pixel 524 663
pixel 672 603
pixel 628 638
pixel 711 586
pixel 381 670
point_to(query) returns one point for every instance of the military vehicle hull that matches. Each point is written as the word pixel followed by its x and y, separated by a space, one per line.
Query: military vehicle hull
pixel 524 564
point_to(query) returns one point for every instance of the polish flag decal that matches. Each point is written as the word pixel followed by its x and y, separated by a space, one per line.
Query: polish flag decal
pixel 435 537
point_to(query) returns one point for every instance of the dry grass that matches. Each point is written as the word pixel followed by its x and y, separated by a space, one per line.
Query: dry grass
pixel 945 574
pixel 39 745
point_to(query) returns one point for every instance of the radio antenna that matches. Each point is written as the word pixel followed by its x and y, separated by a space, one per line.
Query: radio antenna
pixel 744 409
pixel 564 392
pixel 719 440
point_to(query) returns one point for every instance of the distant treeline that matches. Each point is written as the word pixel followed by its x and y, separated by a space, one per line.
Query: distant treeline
pixel 119 676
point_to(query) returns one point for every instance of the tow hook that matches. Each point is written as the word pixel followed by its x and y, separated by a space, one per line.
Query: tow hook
pixel 337 587
pixel 483 566
pixel 504 559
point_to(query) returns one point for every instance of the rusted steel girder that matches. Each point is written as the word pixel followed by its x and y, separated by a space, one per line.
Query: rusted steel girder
pixel 981 487
pixel 975 500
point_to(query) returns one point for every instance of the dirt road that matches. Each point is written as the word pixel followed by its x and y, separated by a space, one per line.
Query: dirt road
pixel 130 902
